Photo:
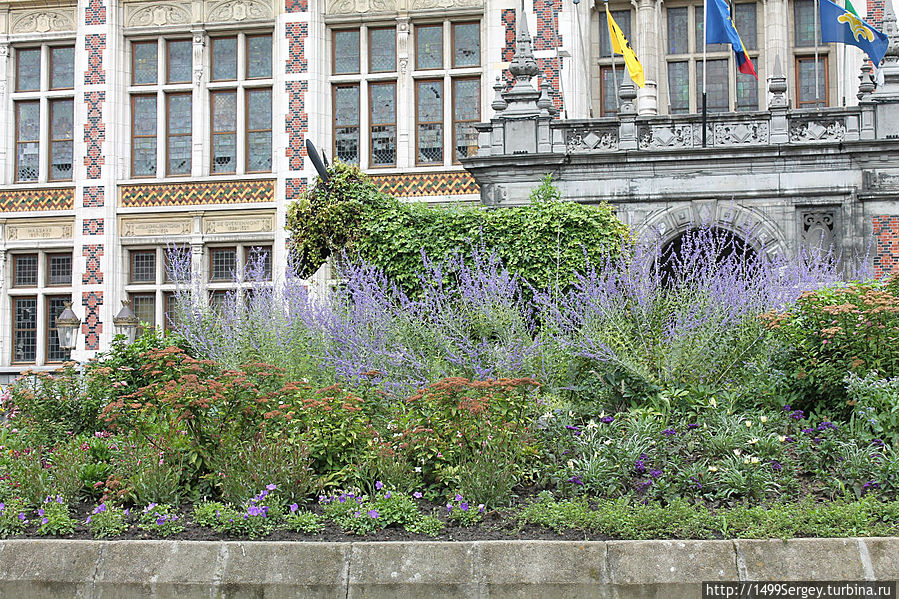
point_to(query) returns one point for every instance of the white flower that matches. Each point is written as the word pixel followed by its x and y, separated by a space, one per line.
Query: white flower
pixel 591 424
pixel 571 463
pixel 748 424
pixel 754 460
pixel 745 460
pixel 713 469
pixel 737 452
pixel 417 468
pixel 607 442
pixel 781 438
pixel 713 403
pixel 763 419
pixel 753 441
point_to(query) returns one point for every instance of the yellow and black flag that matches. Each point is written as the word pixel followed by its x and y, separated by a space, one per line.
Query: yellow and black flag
pixel 620 45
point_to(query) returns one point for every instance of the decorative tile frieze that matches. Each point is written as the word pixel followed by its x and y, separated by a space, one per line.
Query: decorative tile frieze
pixel 427 184
pixel 27 200
pixel 198 193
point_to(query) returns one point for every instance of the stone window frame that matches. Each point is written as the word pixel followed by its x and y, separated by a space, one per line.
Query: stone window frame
pixel 46 97
pixel 406 77
pixel 805 53
pixel 43 293
pixel 604 59
pixel 201 88
pixel 161 288
pixel 693 58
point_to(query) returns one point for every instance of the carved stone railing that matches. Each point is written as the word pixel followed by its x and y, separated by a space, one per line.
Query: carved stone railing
pixel 723 130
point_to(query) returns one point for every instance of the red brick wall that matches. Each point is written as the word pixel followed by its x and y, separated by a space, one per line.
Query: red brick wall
pixel 886 249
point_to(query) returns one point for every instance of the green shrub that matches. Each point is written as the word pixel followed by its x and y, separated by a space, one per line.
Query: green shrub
pixel 547 241
pixel 13 519
pixel 161 520
pixel 53 517
pixel 305 521
pixel 243 465
pixel 876 407
pixel 832 333
pixel 107 521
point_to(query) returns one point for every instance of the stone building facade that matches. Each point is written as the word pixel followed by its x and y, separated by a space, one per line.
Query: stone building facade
pixel 130 129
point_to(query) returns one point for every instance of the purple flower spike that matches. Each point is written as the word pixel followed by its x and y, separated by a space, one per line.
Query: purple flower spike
pixel 271 487
pixel 607 419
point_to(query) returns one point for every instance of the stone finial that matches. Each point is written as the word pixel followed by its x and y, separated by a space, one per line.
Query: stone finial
pixel 627 93
pixel 777 86
pixel 499 104
pixel 523 66
pixel 866 81
pixel 545 103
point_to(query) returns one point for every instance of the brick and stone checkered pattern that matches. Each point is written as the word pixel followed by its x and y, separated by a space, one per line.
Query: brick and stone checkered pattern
pixel 93 197
pixel 93 275
pixel 547 36
pixel 886 250
pixel 295 188
pixel 297 34
pixel 91 326
pixel 297 124
pixel 95 74
pixel 94 134
pixel 92 226
pixel 549 71
pixel 875 13
pixel 95 13
pixel 296 6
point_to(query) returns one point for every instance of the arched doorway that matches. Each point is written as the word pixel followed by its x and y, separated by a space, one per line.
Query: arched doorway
pixel 699 250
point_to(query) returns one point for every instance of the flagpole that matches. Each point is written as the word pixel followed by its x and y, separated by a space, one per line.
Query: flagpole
pixel 705 34
pixel 612 53
pixel 816 57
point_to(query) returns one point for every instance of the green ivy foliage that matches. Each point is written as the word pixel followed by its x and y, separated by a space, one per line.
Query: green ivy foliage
pixel 547 241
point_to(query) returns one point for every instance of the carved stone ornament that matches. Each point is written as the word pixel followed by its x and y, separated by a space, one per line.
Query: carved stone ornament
pixel 239 10
pixel 666 136
pixel 336 7
pixel 257 224
pixel 42 21
pixel 737 134
pixel 157 14
pixel 151 228
pixel 591 140
pixel 831 130
pixel 29 232
pixel 818 231
pixel 4 50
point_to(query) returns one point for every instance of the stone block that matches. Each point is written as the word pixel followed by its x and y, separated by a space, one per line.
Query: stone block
pixel 883 553
pixel 799 559
pixel 280 570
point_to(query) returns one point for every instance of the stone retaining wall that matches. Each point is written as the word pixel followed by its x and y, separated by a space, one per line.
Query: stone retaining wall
pixel 31 569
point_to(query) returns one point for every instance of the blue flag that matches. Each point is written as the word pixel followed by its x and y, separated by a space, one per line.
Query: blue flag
pixel 840 25
pixel 720 29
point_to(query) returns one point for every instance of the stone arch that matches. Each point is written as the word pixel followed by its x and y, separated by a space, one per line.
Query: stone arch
pixel 759 231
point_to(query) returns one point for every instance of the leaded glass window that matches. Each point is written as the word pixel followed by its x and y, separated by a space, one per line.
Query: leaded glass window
pixel 679 87
pixel 678 30
pixel 55 305
pixel 144 307
pixel 144 63
pixel 382 50
pixel 224 132
pixel 259 130
pixel 466 44
pixel 429 47
pixel 143 136
pixel 62 67
pixel 623 18
pixel 747 93
pixel 429 121
pixel 59 269
pixel 383 123
pixel 25 270
pixel 805 75
pixel 143 266
pixel 28 129
pixel 346 51
pixel 224 58
pixel 259 56
pixel 609 90
pixel 804 23
pixel 717 98
pixel 62 132
pixel 258 263
pixel 745 17
pixel 180 60
pixel 178 131
pixel 222 264
pixel 28 69
pixel 346 123
pixel 699 32
pixel 24 329
pixel 466 112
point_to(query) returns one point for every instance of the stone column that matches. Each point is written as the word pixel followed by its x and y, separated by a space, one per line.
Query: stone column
pixel 647 39
pixel 199 121
pixel 776 35
pixel 6 159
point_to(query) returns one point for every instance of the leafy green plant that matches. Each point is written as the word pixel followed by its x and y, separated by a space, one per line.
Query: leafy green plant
pixel 106 521
pixel 459 510
pixel 207 513
pixel 243 465
pixel 13 519
pixel 53 517
pixel 427 525
pixel 876 407
pixel 546 241
pixel 161 520
pixel 299 520
pixel 834 333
